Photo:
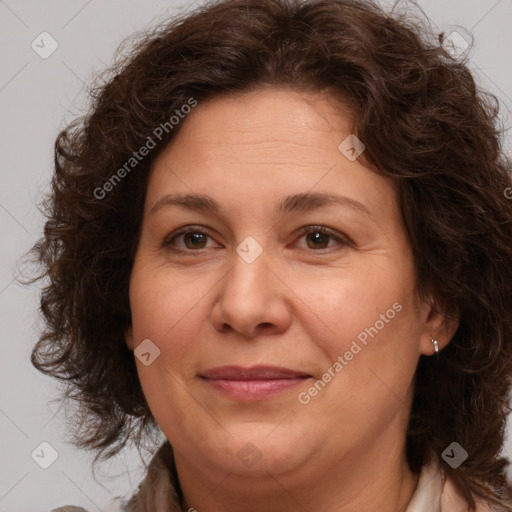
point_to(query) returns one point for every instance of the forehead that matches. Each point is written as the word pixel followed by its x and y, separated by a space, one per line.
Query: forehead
pixel 266 143
pixel 270 117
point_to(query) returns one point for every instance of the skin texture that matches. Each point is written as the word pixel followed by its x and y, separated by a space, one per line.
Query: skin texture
pixel 300 305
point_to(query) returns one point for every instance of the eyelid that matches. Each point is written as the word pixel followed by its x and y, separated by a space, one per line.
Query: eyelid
pixel 189 228
pixel 340 238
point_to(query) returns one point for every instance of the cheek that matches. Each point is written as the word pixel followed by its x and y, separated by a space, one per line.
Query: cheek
pixel 374 327
pixel 356 306
pixel 375 331
pixel 163 302
pixel 380 348
pixel 164 311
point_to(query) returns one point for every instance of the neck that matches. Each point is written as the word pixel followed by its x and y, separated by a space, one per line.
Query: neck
pixel 379 480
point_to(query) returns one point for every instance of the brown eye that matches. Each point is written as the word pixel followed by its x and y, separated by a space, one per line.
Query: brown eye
pixel 318 237
pixel 196 240
pixel 193 239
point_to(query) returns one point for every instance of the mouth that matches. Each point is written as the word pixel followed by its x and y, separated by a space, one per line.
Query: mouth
pixel 252 384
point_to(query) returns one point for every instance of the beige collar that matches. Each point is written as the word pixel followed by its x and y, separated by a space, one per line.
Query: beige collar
pixel 427 497
pixel 160 490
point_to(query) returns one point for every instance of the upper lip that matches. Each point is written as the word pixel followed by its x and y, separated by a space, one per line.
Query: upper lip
pixel 252 373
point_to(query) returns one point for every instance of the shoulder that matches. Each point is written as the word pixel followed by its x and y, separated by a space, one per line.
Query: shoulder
pixel 453 501
pixel 158 492
pixel 69 508
pixel 160 489
pixel 436 492
pixel 112 507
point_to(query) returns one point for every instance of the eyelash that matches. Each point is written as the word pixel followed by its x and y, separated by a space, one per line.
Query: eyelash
pixel 342 239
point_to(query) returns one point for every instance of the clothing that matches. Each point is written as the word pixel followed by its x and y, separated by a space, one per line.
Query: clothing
pixel 159 491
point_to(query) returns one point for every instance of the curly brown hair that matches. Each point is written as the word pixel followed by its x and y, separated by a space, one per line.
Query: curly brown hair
pixel 425 124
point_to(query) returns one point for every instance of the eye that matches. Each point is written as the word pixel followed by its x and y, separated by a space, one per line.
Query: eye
pixel 193 237
pixel 321 237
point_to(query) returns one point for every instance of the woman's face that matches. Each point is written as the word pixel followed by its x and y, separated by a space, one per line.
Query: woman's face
pixel 281 347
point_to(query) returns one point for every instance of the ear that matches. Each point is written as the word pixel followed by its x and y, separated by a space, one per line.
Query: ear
pixel 439 325
pixel 128 337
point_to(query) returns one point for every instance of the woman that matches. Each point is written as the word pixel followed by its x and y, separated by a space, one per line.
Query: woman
pixel 282 237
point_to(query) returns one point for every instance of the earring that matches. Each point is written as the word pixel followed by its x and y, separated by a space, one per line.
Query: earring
pixel 436 345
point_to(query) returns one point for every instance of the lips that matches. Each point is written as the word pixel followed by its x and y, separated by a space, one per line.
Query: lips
pixel 253 373
pixel 252 384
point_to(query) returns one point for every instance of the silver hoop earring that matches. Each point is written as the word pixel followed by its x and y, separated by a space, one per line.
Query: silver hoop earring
pixel 436 345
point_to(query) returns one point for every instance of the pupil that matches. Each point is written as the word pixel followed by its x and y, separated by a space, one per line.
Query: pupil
pixel 318 237
pixel 195 237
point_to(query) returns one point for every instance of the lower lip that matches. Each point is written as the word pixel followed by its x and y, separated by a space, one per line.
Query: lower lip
pixel 253 390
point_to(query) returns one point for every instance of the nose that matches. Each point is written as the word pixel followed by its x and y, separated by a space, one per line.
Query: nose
pixel 252 299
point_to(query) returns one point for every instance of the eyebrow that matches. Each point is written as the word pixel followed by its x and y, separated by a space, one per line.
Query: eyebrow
pixel 303 202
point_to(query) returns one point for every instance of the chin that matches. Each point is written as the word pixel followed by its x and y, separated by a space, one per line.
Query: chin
pixel 261 449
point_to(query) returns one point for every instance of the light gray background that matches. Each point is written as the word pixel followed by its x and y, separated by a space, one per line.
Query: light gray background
pixel 37 98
